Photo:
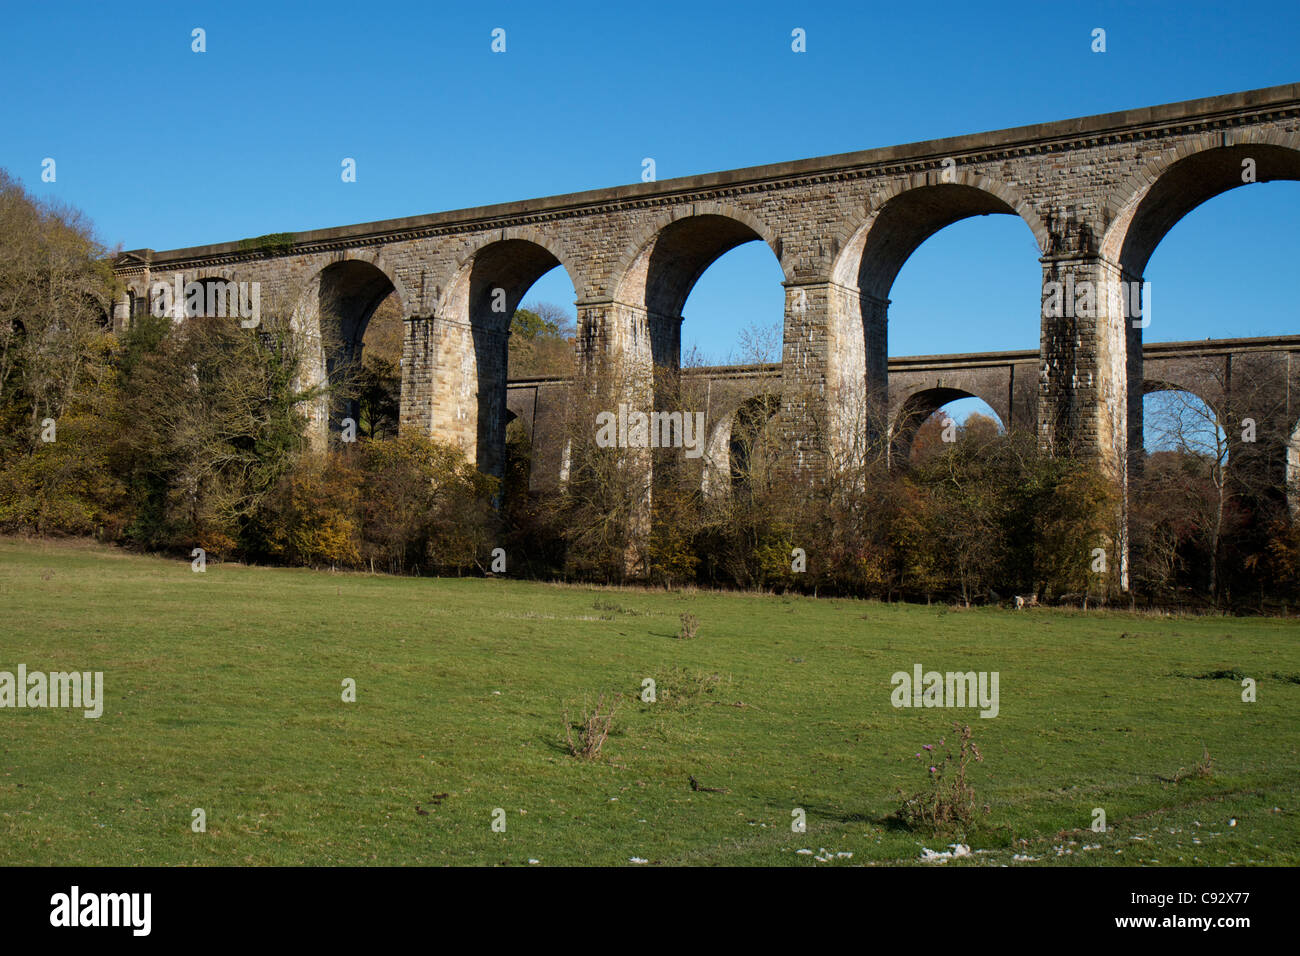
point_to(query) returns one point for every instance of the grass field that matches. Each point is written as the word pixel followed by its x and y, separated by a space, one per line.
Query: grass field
pixel 224 692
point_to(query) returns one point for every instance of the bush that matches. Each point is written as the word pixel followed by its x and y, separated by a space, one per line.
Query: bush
pixel 313 518
pixel 948 801
pixel 593 729
pixel 424 506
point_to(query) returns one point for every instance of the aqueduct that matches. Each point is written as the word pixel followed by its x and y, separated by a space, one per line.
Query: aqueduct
pixel 1097 194
pixel 1005 381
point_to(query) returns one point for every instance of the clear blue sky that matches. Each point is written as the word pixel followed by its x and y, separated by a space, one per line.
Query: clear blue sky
pixel 163 147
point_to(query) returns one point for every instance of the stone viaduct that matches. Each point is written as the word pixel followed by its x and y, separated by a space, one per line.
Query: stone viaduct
pixel 921 384
pixel 1097 195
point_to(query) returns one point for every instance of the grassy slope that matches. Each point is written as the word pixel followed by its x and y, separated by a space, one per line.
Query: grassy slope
pixel 224 693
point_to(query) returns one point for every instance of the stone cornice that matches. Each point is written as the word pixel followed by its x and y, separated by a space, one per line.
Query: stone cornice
pixel 1192 116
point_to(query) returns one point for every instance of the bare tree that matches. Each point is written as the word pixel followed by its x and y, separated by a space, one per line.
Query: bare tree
pixel 760 344
pixel 1231 447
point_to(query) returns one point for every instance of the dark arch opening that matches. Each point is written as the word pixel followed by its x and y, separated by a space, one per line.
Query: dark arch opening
pixel 379 391
pixel 742 449
pixel 348 295
pixel 489 291
pixel 102 313
pixel 518 466
pixel 752 443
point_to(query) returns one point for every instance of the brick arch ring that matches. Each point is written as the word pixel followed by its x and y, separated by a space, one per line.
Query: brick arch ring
pixel 470 248
pixel 633 250
pixel 851 238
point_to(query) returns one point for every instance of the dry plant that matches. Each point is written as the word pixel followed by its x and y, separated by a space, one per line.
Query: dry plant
pixel 680 688
pixel 949 800
pixel 1203 770
pixel 593 729
pixel 690 627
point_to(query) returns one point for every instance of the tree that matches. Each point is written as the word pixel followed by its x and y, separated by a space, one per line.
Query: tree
pixel 929 436
pixel 929 439
pixel 541 341
pixel 963 518
pixel 1185 424
pixel 979 428
pixel 56 356
pixel 378 392
pixel 423 505
pixel 312 515
pixel 209 420
pixel 606 493
pixel 55 285
pixel 1077 537
pixel 1219 470
pixel 760 344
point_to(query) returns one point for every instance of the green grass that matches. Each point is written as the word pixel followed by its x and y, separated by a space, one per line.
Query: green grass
pixel 224 692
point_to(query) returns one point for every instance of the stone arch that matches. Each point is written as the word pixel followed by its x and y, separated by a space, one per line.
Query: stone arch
pixel 1215 403
pixel 158 304
pixel 904 215
pixel 152 296
pixel 220 298
pixel 659 268
pixel 330 316
pixel 911 412
pixel 1143 209
pixel 377 260
pixel 1153 385
pixel 491 278
pixel 469 249
pixel 732 441
pixel 899 219
pixel 139 301
pixel 646 234
pixel 519 257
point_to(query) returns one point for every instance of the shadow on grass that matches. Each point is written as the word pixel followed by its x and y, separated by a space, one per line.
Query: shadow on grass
pixel 551 743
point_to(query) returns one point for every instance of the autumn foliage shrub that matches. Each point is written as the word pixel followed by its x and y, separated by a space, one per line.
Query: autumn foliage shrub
pixel 424 506
pixel 313 517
